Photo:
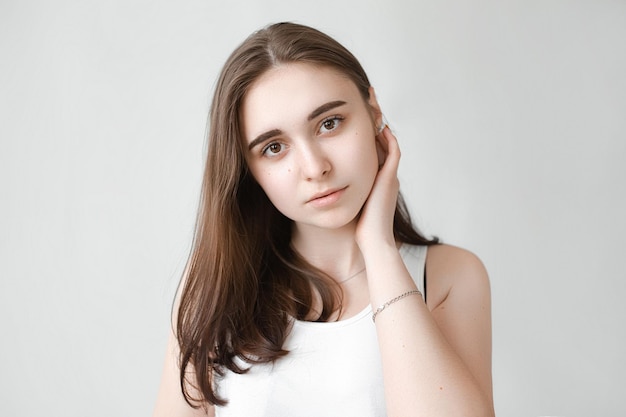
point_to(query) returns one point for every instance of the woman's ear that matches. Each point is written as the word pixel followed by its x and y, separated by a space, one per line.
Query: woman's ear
pixel 376 112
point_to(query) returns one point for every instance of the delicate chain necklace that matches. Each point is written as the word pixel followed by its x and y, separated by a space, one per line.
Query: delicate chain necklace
pixel 351 276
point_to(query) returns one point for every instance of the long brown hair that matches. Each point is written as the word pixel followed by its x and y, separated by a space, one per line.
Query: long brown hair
pixel 244 282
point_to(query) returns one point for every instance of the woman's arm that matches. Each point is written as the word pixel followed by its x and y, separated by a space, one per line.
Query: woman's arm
pixel 460 302
pixel 170 401
pixel 432 362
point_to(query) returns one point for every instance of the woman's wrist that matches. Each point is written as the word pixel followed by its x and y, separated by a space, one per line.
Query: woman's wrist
pixel 387 275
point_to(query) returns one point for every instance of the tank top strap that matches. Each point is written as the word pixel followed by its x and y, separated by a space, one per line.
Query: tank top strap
pixel 415 260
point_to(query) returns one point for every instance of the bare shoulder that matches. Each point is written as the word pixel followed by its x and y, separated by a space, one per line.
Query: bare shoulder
pixel 450 269
pixel 459 298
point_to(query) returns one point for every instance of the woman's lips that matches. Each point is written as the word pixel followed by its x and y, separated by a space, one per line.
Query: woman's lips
pixel 326 198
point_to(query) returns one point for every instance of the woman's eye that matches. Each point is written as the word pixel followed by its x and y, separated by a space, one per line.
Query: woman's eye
pixel 330 124
pixel 273 149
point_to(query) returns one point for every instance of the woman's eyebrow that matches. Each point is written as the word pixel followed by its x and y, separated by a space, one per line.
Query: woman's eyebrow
pixel 324 108
pixel 263 137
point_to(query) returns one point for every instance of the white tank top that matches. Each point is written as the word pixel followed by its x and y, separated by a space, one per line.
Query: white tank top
pixel 332 369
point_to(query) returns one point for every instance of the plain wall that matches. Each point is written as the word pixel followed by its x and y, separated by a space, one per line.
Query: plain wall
pixel 510 116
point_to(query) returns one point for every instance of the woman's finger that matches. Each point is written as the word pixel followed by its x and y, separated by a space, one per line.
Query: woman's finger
pixel 389 145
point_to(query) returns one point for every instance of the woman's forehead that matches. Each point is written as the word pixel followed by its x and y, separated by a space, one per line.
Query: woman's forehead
pixel 289 92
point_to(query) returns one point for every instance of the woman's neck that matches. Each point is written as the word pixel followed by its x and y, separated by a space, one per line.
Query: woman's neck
pixel 334 251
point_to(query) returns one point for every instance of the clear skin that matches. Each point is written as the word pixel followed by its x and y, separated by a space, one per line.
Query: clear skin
pixel 302 156
pixel 436 357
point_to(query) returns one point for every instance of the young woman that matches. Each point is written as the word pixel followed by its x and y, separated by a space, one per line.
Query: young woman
pixel 308 291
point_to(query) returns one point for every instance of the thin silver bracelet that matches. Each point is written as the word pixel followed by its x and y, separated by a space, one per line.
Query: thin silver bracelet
pixel 393 300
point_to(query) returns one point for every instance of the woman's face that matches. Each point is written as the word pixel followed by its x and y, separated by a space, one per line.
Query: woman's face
pixel 310 143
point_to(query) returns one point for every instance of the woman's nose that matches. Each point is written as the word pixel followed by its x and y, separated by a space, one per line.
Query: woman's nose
pixel 314 163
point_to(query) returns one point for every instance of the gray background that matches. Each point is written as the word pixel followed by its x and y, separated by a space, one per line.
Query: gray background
pixel 510 115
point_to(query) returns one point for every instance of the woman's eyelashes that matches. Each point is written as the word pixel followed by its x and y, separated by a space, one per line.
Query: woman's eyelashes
pixel 330 124
pixel 273 149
